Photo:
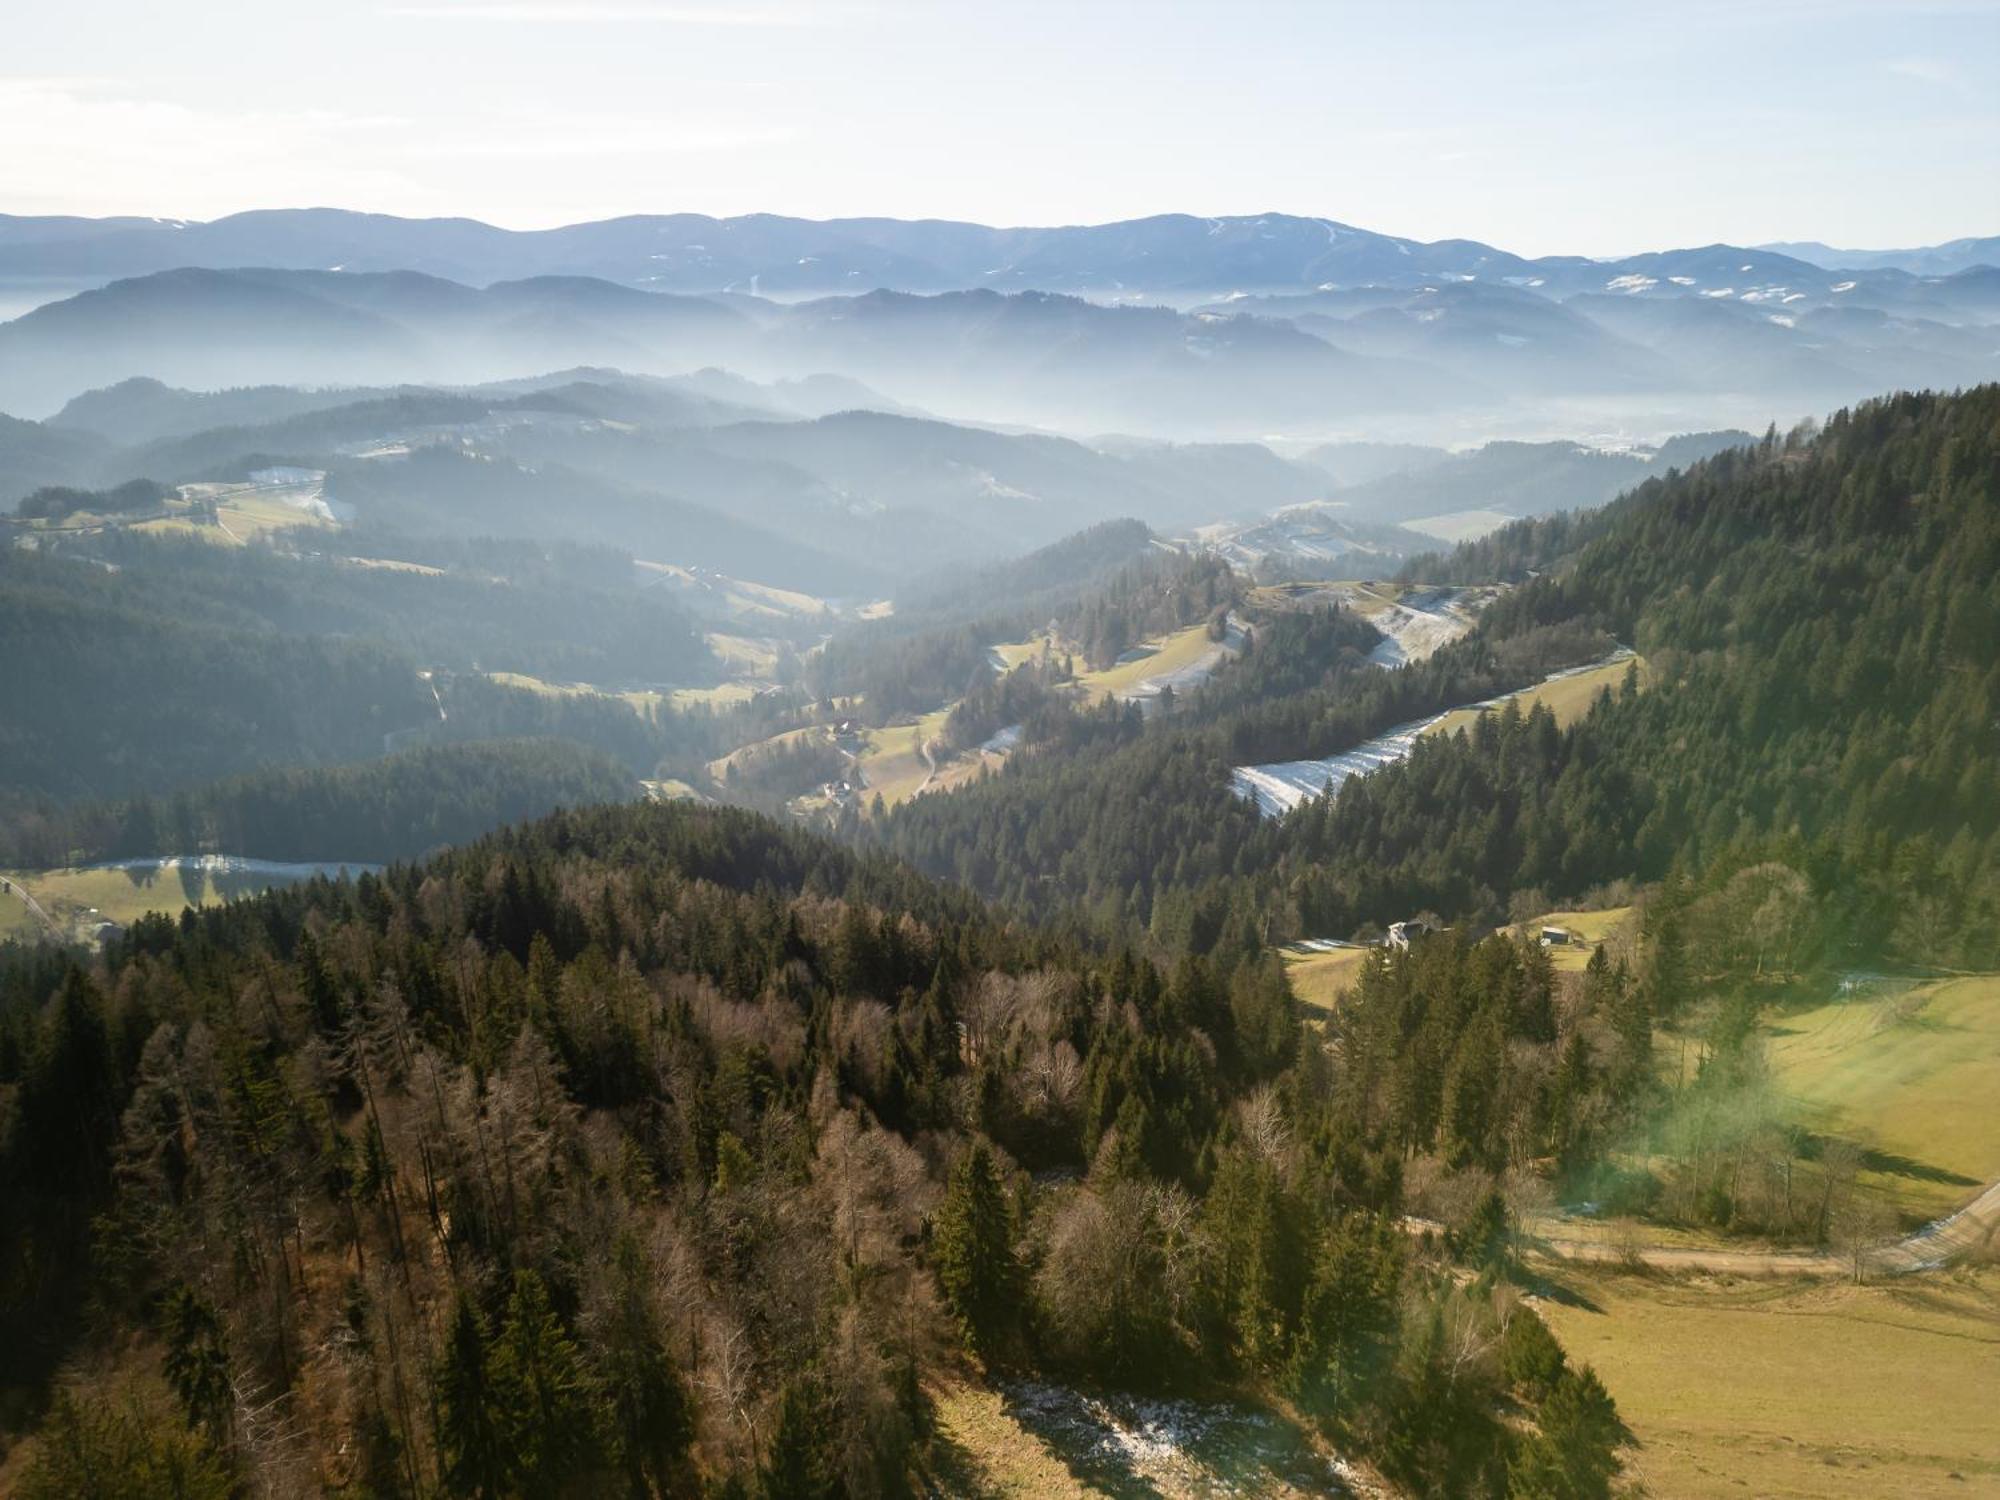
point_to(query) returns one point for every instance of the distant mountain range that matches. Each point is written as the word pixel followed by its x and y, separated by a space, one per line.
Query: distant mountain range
pixel 795 484
pixel 1928 260
pixel 1167 327
pixel 1170 256
pixel 1440 359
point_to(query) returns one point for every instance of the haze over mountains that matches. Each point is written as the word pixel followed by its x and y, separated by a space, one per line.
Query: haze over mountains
pixel 776 256
pixel 1245 326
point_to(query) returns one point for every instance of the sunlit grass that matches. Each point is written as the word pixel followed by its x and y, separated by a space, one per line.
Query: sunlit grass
pixel 1568 698
pixel 1914 1075
pixel 1796 1389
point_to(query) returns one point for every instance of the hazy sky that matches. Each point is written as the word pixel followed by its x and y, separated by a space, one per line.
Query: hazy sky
pixel 1594 128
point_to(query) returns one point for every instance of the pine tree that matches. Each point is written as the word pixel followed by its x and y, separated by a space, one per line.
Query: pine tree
pixel 549 1411
pixel 472 1447
pixel 649 1406
pixel 973 1252
pixel 197 1361
pixel 1574 1455
pixel 1347 1326
pixel 799 1464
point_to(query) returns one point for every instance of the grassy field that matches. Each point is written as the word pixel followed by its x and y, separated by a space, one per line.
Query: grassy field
pixel 1181 649
pixel 122 896
pixel 1568 698
pixel 722 695
pixel 1913 1074
pixel 1460 525
pixel 989 1453
pixel 738 598
pixel 672 790
pixel 1796 1389
pixel 16 921
pixel 1013 653
pixel 748 656
pixel 1319 976
pixel 892 762
pixel 244 512
pixel 719 768
pixel 641 700
pixel 1366 599
pixel 395 565
pixel 1611 926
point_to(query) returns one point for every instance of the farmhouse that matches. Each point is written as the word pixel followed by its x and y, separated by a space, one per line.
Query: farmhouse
pixel 1401 934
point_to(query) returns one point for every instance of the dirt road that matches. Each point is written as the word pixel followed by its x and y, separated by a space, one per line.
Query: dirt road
pixel 1975 1226
pixel 15 888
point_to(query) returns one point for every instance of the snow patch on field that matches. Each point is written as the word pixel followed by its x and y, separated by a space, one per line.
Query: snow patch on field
pixel 1280 786
pixel 1146 692
pixel 1423 620
pixel 1125 1444
pixel 1283 785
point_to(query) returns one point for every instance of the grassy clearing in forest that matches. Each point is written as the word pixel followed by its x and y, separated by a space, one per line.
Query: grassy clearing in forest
pixel 1796 1389
pixel 1568 698
pixel 640 700
pixel 719 768
pixel 1012 654
pixel 1181 649
pixel 122 896
pixel 1913 1075
pixel 748 656
pixel 1590 928
pixel 1320 975
pixel 892 761
pixel 988 1453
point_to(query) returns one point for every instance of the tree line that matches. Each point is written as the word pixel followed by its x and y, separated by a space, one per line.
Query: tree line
pixel 662 1150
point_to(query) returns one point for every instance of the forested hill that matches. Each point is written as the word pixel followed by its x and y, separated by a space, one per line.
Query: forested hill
pixel 1819 616
pixel 663 1150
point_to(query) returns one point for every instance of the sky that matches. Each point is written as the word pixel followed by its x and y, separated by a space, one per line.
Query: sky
pixel 1594 129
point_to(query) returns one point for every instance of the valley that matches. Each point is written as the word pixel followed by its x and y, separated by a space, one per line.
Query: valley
pixel 849 859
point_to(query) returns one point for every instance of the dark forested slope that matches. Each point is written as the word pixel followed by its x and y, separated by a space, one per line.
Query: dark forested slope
pixel 1819 615
pixel 647 1149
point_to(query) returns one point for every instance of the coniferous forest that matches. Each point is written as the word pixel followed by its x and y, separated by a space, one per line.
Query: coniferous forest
pixel 680 1149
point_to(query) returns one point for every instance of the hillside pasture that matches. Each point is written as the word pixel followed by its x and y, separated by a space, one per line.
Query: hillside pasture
pixel 1612 926
pixel 1792 1388
pixel 1161 658
pixel 1911 1075
pixel 1569 698
pixel 640 700
pixel 79 898
pixel 1320 974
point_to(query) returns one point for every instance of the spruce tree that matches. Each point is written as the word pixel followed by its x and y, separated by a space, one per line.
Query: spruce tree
pixel 972 1249
pixel 548 1404
pixel 471 1445
pixel 1574 1455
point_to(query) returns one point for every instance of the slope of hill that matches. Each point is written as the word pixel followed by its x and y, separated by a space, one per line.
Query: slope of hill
pixel 709 471
pixel 1809 610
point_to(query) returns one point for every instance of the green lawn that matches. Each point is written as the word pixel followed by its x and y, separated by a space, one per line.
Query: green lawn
pixel 1914 1074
